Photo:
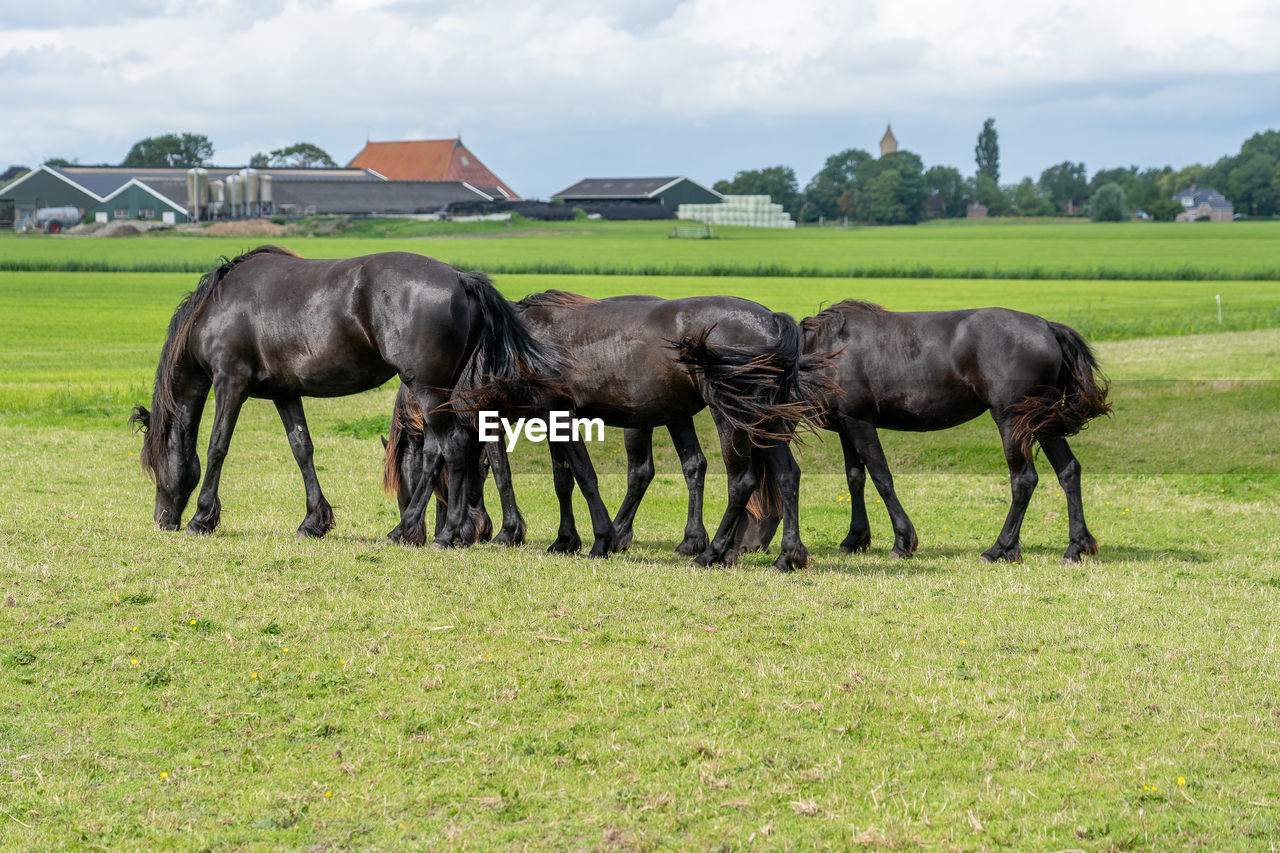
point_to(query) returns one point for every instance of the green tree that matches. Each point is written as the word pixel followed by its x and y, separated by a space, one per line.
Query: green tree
pixel 302 155
pixel 1163 209
pixel 1108 204
pixel 822 195
pixel 1249 186
pixel 948 187
pixel 172 149
pixel 987 192
pixel 1030 200
pixel 987 151
pixel 1066 183
pixel 908 188
pixel 259 161
pixel 885 199
pixel 777 182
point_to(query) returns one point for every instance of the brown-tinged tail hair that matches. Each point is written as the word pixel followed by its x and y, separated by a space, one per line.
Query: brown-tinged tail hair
pixel 1062 410
pixel 157 422
pixel 755 388
pixel 407 424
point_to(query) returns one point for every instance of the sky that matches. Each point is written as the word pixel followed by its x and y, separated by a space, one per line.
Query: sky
pixel 546 92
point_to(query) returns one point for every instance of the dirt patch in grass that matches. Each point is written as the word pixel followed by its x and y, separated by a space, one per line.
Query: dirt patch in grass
pixel 246 228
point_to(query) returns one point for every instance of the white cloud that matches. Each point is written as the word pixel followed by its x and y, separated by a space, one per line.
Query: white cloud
pixel 253 76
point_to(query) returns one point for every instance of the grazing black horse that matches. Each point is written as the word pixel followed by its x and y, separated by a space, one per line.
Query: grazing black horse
pixel 643 362
pixel 270 324
pixel 931 370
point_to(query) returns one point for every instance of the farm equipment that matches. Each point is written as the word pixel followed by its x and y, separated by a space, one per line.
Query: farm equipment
pixel 55 219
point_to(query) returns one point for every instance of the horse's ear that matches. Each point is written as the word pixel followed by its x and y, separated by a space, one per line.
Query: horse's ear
pixel 384 441
pixel 140 419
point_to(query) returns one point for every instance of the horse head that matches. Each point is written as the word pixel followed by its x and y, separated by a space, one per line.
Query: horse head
pixel 171 462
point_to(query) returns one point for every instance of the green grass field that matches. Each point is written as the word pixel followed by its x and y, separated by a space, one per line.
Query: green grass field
pixel 251 691
pixel 1154 251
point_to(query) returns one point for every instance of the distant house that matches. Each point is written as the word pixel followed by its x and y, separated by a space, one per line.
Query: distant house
pixel 431 160
pixel 1203 202
pixel 669 192
pixel 976 211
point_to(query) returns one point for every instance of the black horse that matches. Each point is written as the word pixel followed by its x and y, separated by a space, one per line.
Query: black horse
pixel 643 362
pixel 931 370
pixel 270 324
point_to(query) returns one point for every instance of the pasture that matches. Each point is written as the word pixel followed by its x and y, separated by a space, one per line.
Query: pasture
pixel 1051 250
pixel 253 691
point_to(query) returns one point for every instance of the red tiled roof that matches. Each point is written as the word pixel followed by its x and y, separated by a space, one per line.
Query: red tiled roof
pixel 427 160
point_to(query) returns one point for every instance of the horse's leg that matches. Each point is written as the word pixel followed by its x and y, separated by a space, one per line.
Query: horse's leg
pixel 229 396
pixel 785 473
pixel 1079 540
pixel 319 520
pixel 513 529
pixel 867 444
pixel 1022 481
pixel 436 424
pixel 479 473
pixel 567 540
pixel 855 472
pixel 639 445
pixel 606 538
pixel 735 448
pixel 461 454
pixel 694 466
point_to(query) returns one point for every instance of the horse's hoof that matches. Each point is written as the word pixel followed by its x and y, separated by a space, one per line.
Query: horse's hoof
pixel 855 546
pixel 899 554
pixel 565 547
pixel 437 545
pixel 692 545
pixel 995 554
pixel 706 558
pixel 195 528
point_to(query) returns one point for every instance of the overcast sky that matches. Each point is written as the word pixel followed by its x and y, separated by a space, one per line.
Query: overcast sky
pixel 546 92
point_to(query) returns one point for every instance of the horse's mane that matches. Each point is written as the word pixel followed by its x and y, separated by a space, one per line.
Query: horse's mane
pixel 556 299
pixel 831 320
pixel 164 405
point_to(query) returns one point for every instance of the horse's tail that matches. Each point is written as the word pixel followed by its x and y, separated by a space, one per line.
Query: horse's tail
pixel 406 421
pixel 1079 396
pixel 766 500
pixel 510 366
pixel 756 388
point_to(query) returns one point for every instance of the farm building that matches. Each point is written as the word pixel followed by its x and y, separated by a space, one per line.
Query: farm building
pixel 1203 203
pixel 170 195
pixel 596 194
pixel 431 160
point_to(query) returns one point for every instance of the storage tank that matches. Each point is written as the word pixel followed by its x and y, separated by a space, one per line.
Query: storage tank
pixel 264 193
pixel 250 186
pixel 217 192
pixel 235 193
pixel 197 191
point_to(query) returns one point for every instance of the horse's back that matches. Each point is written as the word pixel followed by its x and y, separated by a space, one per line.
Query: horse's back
pixel 928 370
pixel 330 327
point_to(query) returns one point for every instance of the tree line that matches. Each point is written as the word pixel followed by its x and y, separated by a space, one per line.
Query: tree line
pixel 897 189
pixel 192 150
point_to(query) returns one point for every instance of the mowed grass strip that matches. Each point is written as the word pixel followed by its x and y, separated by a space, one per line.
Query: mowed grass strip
pixel 1081 250
pixel 249 689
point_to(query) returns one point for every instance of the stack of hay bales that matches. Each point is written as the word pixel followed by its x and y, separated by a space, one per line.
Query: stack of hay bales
pixel 756 211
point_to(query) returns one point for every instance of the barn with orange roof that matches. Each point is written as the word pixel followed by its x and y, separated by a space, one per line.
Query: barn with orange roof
pixel 431 160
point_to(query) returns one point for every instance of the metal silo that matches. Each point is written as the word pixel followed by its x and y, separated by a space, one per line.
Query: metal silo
pixel 264 194
pixel 197 191
pixel 250 191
